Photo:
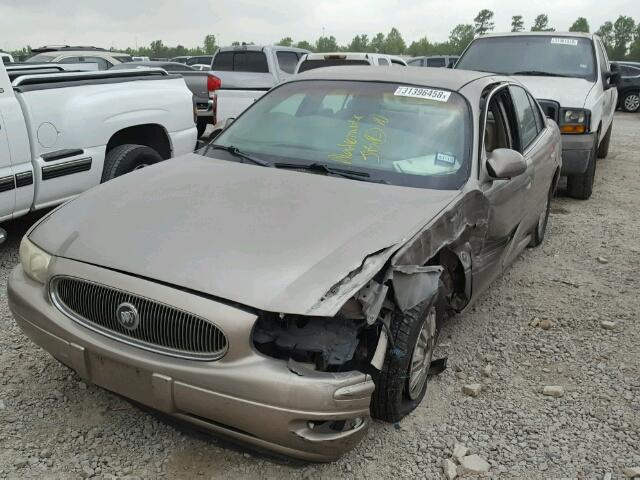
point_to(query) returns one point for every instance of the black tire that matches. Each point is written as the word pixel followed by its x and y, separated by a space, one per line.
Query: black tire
pixel 581 186
pixel 603 149
pixel 631 102
pixel 541 227
pixel 127 158
pixel 391 400
pixel 201 125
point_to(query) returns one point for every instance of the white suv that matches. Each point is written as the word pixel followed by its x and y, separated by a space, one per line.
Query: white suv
pixel 75 55
pixel 573 81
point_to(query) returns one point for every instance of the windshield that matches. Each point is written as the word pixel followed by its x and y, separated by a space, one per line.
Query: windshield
pixel 42 58
pixel 562 56
pixel 397 134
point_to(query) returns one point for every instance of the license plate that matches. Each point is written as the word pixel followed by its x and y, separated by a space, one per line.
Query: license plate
pixel 117 377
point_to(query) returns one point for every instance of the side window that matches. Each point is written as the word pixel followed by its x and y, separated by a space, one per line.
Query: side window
pixel 102 63
pixel 72 60
pixel 383 62
pixel 417 62
pixel 540 120
pixel 287 61
pixel 497 131
pixel 527 126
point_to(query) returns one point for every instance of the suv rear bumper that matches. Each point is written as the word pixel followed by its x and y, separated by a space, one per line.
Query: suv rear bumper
pixel 576 153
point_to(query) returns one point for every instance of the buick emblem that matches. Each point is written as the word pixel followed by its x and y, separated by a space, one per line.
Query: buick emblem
pixel 128 316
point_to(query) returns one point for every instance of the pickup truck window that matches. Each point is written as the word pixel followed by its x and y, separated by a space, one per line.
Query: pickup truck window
pixel 382 129
pixel 436 62
pixel 532 55
pixel 287 61
pixel 241 61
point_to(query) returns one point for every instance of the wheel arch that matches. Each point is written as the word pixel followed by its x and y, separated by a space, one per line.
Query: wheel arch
pixel 151 135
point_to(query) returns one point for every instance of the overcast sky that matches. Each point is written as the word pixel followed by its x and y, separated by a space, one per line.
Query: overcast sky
pixel 122 23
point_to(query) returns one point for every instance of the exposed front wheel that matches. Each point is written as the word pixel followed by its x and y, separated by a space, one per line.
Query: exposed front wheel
pixel 402 382
pixel 631 102
pixel 127 158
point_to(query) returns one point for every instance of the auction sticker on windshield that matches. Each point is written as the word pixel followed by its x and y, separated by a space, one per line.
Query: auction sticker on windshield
pixel 565 41
pixel 427 93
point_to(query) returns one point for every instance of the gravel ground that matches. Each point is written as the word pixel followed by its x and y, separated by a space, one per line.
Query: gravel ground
pixel 540 325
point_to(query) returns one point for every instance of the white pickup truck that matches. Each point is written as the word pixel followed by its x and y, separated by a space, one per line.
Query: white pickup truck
pixel 62 133
pixel 246 72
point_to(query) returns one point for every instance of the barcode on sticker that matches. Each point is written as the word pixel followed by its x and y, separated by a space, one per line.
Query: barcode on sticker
pixel 565 41
pixel 428 93
pixel 445 159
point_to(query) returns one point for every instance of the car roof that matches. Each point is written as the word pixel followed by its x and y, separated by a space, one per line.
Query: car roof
pixel 259 48
pixel 153 63
pixel 448 78
pixel 538 34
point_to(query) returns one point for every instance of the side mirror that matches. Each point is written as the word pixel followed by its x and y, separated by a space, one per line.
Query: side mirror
pixel 612 79
pixel 504 163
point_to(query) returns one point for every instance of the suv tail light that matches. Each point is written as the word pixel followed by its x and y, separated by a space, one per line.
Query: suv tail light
pixel 213 84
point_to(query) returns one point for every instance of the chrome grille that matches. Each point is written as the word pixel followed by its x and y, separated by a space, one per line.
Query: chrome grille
pixel 161 328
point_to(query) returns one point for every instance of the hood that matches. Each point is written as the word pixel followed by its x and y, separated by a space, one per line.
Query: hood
pixel 276 240
pixel 568 92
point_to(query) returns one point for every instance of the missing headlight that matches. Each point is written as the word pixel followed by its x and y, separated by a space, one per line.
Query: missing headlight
pixel 330 344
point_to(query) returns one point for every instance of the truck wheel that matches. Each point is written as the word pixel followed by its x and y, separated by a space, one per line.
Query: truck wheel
pixel 581 186
pixel 402 382
pixel 127 158
pixel 603 149
pixel 631 102
pixel 201 126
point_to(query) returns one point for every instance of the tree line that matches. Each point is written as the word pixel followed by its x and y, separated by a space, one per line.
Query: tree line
pixel 620 37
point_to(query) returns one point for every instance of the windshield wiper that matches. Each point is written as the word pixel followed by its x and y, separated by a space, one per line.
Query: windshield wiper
pixel 322 168
pixel 539 73
pixel 237 153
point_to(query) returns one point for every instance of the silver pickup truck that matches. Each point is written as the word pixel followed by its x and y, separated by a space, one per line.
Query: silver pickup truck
pixel 246 72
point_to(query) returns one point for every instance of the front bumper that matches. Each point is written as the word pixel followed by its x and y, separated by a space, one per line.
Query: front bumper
pixel 576 153
pixel 244 396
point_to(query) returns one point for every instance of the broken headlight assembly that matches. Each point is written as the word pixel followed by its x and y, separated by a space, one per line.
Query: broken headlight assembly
pixel 574 120
pixel 34 260
pixel 328 344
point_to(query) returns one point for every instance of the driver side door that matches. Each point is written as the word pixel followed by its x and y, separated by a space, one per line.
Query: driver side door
pixel 507 197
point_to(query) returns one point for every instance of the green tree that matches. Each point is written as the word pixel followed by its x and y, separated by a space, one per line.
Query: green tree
pixel 420 47
pixel 605 32
pixel 394 43
pixel 517 24
pixel 634 50
pixel 484 22
pixel 158 50
pixel 210 46
pixel 326 44
pixel 460 37
pixel 305 45
pixel 360 43
pixel 378 43
pixel 285 42
pixel 580 25
pixel 623 33
pixel 541 24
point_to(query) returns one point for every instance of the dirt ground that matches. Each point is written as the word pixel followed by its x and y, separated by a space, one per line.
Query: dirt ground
pixel 587 272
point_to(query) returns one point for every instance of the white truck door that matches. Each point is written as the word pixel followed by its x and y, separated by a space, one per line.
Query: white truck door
pixel 7 179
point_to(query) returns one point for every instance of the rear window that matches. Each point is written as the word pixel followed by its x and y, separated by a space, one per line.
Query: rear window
pixel 328 62
pixel 532 55
pixel 42 58
pixel 241 61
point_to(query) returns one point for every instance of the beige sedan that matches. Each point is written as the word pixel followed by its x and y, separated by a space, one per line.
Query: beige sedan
pixel 286 283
